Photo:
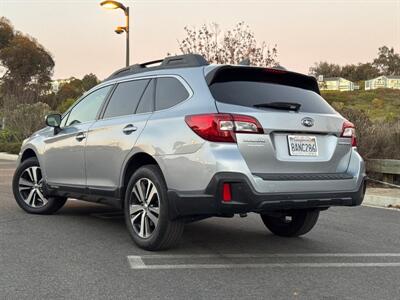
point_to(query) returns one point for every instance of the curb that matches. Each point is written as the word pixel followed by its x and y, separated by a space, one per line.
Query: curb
pixel 382 201
pixel 7 156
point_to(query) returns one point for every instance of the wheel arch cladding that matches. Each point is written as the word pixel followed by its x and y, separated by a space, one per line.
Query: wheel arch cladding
pixel 134 163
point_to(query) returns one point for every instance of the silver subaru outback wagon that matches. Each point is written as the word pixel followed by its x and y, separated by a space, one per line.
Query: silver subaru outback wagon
pixel 184 140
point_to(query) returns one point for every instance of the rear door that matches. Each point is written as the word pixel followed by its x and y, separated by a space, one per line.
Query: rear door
pixel 112 137
pixel 304 140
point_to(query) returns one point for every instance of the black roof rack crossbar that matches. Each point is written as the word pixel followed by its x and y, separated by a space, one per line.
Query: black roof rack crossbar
pixel 179 61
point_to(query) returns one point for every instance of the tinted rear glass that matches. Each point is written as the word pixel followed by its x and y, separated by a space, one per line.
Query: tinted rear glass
pixel 249 93
pixel 249 86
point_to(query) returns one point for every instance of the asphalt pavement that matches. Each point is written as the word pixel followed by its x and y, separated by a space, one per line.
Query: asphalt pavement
pixel 84 251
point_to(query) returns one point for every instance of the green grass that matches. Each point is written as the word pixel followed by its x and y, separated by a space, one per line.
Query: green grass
pixel 385 108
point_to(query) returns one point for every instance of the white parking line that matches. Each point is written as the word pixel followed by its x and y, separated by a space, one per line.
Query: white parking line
pixel 269 265
pixel 264 255
pixel 137 262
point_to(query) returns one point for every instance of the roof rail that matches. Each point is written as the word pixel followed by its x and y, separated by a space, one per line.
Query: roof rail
pixel 179 61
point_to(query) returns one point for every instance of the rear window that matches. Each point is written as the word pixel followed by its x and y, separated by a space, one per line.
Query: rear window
pixel 250 87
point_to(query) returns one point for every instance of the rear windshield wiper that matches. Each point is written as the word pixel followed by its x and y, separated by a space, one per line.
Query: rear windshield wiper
pixel 280 105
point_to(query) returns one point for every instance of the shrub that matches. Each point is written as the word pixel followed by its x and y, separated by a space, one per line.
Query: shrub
pixel 378 103
pixel 392 117
pixel 12 148
pixel 8 136
pixel 65 105
pixel 338 105
pixel 375 140
pixel 26 119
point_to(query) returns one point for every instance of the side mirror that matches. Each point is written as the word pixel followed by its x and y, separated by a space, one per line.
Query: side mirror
pixel 53 120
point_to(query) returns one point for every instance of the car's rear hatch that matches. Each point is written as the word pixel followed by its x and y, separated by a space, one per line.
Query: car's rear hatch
pixel 302 131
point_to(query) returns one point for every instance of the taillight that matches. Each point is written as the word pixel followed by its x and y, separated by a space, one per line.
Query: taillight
pixel 349 131
pixel 222 127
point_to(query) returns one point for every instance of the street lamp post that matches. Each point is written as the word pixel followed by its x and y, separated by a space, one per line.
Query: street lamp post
pixel 109 4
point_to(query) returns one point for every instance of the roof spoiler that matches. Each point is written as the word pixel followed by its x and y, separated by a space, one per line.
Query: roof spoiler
pixel 259 74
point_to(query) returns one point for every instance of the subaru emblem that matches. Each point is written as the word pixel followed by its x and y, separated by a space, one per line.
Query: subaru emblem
pixel 308 122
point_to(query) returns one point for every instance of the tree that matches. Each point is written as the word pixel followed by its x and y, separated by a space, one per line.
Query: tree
pixel 65 105
pixel 361 71
pixel 365 71
pixel 26 60
pixel 89 81
pixel 231 46
pixel 75 88
pixel 388 62
pixel 72 89
pixel 326 69
pixel 28 67
pixel 6 32
pixel 348 72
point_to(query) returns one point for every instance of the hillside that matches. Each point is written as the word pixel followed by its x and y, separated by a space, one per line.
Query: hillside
pixel 379 105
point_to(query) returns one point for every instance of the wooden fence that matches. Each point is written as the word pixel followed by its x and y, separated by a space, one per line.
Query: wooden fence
pixel 390 168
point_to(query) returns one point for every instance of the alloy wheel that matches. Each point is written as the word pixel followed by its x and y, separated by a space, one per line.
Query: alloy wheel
pixel 30 186
pixel 144 207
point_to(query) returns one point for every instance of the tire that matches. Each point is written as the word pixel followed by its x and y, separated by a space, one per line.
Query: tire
pixel 28 191
pixel 148 221
pixel 292 223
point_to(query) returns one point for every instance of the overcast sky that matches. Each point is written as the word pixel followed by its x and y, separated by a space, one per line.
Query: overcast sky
pixel 80 34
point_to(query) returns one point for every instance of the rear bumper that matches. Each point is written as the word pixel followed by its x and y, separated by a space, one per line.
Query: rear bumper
pixel 246 199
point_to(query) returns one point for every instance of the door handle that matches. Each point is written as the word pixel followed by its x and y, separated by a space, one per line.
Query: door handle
pixel 128 129
pixel 80 136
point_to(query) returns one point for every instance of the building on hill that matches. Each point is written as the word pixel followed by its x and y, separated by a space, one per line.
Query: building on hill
pixel 389 82
pixel 335 84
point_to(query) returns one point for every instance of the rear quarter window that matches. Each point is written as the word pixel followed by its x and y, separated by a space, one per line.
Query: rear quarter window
pixel 169 92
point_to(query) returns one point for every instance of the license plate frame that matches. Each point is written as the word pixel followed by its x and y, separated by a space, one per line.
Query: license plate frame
pixel 300 149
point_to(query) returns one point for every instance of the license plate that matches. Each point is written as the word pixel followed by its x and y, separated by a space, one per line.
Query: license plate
pixel 302 145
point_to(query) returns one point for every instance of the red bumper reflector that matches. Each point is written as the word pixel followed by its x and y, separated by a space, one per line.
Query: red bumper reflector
pixel 226 193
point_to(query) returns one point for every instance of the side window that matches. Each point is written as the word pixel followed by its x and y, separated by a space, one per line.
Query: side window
pixel 125 98
pixel 147 101
pixel 169 92
pixel 87 109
